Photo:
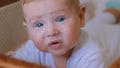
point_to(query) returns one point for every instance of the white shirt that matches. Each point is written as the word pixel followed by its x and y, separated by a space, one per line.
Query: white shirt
pixel 87 54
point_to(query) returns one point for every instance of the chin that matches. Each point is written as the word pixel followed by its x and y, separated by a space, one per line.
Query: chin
pixel 58 53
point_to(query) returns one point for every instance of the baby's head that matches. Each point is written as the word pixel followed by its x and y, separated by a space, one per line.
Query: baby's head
pixel 53 25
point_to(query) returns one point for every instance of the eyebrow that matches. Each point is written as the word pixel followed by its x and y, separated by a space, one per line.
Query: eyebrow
pixel 34 18
pixel 51 13
pixel 58 11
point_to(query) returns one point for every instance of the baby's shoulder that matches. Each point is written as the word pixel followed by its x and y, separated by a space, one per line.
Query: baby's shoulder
pixel 87 46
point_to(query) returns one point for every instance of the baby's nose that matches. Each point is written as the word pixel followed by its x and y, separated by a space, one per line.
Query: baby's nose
pixel 52 31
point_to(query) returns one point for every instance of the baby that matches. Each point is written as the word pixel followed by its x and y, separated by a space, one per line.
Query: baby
pixel 56 37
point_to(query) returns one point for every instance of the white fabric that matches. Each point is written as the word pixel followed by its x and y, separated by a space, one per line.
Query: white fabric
pixel 107 34
pixel 87 54
pixel 104 18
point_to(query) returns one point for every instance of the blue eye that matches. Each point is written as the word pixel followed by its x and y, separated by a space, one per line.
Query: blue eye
pixel 39 25
pixel 60 19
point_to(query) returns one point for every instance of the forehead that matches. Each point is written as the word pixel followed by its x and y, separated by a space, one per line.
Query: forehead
pixel 43 7
pixel 47 4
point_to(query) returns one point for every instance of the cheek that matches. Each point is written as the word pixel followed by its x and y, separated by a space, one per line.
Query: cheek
pixel 74 29
pixel 72 33
pixel 35 34
pixel 38 39
pixel 39 43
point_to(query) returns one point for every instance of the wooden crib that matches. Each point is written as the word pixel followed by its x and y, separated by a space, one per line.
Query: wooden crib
pixel 8 62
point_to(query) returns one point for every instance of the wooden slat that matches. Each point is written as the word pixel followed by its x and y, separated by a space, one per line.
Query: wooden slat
pixel 116 64
pixel 8 62
pixel 6 2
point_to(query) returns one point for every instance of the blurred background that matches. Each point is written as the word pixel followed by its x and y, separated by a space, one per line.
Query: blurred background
pixel 13 34
pixel 12 31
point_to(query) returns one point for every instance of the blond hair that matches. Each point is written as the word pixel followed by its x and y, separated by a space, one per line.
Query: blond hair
pixel 75 2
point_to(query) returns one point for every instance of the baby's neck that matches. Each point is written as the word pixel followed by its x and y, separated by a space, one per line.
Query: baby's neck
pixel 61 61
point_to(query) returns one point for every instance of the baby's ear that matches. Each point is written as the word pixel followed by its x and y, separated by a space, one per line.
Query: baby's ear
pixel 24 23
pixel 82 16
pixel 25 26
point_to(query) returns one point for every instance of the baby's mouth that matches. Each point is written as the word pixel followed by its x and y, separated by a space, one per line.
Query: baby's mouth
pixel 55 44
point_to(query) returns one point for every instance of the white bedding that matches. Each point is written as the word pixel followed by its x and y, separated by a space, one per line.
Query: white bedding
pixel 108 36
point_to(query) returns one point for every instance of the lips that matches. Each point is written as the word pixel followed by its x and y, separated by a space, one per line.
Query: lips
pixel 55 44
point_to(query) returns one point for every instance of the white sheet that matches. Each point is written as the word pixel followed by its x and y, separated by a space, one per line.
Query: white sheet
pixel 108 36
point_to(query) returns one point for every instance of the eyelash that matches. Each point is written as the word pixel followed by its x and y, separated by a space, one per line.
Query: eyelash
pixel 60 19
pixel 39 25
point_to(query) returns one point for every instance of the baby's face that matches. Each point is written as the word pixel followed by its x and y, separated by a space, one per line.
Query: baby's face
pixel 53 25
